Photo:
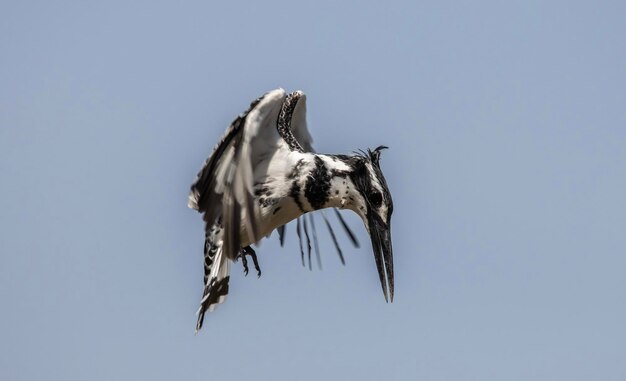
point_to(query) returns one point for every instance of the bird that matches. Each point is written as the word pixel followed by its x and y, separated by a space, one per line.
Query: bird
pixel 264 173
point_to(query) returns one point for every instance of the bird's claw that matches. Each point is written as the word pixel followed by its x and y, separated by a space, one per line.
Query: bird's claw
pixel 244 261
pixel 249 251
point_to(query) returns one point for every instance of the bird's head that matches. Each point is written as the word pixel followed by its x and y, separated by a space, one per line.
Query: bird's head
pixel 375 208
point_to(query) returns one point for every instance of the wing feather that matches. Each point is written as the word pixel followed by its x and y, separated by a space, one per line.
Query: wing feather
pixel 299 126
pixel 224 187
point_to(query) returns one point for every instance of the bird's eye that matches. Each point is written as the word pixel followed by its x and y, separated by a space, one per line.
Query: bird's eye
pixel 376 199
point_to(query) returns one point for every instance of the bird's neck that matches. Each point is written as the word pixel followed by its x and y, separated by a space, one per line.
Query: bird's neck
pixel 326 181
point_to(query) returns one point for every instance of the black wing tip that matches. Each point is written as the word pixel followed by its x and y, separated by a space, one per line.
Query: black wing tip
pixel 334 238
pixel 347 229
pixel 298 231
pixel 281 235
pixel 318 256
pixel 308 241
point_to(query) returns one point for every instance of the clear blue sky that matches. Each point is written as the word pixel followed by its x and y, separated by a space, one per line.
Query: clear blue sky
pixel 507 128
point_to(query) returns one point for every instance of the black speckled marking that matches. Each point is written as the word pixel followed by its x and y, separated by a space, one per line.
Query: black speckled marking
pixel 284 121
pixel 267 202
pixel 294 193
pixel 216 289
pixel 261 190
pixel 317 188
pixel 295 172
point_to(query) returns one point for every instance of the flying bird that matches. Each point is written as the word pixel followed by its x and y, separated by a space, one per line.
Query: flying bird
pixel 264 173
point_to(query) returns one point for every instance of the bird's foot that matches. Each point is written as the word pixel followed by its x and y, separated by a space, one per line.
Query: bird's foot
pixel 249 251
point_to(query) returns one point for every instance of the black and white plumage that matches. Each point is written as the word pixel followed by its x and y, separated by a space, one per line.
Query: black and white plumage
pixel 264 174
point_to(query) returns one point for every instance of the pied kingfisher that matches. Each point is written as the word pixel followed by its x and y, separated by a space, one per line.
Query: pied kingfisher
pixel 264 174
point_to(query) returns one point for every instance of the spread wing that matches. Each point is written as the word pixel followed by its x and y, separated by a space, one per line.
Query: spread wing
pixel 224 187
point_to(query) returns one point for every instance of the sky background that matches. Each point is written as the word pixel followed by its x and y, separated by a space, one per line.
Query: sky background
pixel 507 163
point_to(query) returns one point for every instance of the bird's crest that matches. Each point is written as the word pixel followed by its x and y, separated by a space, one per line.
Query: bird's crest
pixel 375 154
pixel 372 155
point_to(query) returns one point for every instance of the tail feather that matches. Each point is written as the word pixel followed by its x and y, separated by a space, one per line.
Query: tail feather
pixel 216 286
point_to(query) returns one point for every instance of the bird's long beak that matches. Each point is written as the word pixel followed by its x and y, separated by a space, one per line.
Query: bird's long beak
pixel 380 233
